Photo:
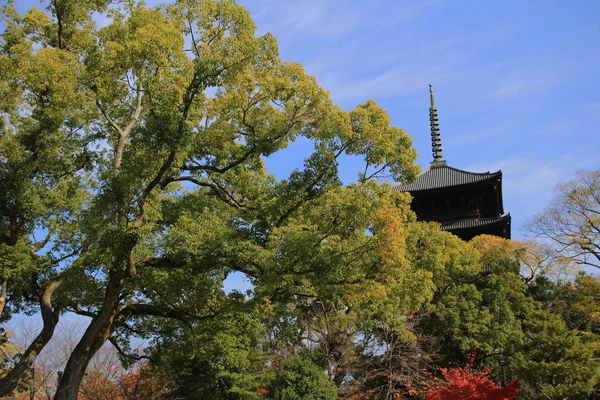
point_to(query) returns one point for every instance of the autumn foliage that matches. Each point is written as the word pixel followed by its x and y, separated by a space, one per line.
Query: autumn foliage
pixel 467 384
pixel 135 384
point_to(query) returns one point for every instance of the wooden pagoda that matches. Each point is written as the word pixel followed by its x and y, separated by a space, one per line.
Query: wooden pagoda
pixel 465 203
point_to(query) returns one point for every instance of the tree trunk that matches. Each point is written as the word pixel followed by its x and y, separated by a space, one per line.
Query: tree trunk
pixel 50 317
pixel 3 296
pixel 97 333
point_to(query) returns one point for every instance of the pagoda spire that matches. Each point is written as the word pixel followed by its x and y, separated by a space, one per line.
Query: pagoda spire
pixel 436 140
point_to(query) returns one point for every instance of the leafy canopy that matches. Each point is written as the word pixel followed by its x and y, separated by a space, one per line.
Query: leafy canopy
pixel 133 171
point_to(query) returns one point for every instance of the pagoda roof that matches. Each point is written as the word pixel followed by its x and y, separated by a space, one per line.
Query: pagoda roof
pixel 439 176
pixel 473 223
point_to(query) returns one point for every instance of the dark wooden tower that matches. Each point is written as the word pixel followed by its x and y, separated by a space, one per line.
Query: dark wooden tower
pixel 465 203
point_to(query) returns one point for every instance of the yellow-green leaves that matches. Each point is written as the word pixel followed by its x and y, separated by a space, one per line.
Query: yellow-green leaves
pixel 382 145
pixel 449 258
pixel 145 50
pixel 53 77
pixel 349 246
pixel 221 32
pixel 138 148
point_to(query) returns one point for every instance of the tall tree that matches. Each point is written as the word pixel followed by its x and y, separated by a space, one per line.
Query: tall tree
pixel 44 145
pixel 572 220
pixel 175 109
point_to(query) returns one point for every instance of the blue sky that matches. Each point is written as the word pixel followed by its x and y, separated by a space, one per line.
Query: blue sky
pixel 517 83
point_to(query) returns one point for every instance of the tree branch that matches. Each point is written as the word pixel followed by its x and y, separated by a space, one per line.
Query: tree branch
pixel 123 354
pixel 217 189
pixel 157 311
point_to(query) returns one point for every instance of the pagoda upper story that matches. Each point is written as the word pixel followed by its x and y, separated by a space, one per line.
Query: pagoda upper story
pixel 465 203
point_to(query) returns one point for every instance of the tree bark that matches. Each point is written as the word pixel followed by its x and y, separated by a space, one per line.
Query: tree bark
pixel 97 333
pixel 3 296
pixel 50 317
pixel 101 328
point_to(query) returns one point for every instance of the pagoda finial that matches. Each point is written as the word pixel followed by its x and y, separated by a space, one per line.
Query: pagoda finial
pixel 431 98
pixel 436 140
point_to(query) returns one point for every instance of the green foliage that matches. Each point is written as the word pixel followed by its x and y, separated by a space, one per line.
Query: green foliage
pixel 543 290
pixel 301 379
pixel 552 362
pixel 496 317
pixel 577 302
pixel 462 314
pixel 132 173
pixel 219 357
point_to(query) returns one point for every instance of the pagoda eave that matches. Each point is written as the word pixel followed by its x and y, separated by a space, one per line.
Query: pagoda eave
pixel 471 227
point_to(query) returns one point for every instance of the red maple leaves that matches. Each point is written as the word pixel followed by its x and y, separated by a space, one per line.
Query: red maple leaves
pixel 466 384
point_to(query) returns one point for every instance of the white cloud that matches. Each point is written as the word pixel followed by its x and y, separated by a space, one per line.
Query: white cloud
pixel 331 20
pixel 530 77
pixel 556 128
pixel 401 80
pixel 460 140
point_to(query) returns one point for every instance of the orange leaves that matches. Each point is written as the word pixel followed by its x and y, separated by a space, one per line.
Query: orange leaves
pixel 390 232
pixel 263 391
pixel 117 384
pixel 360 396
